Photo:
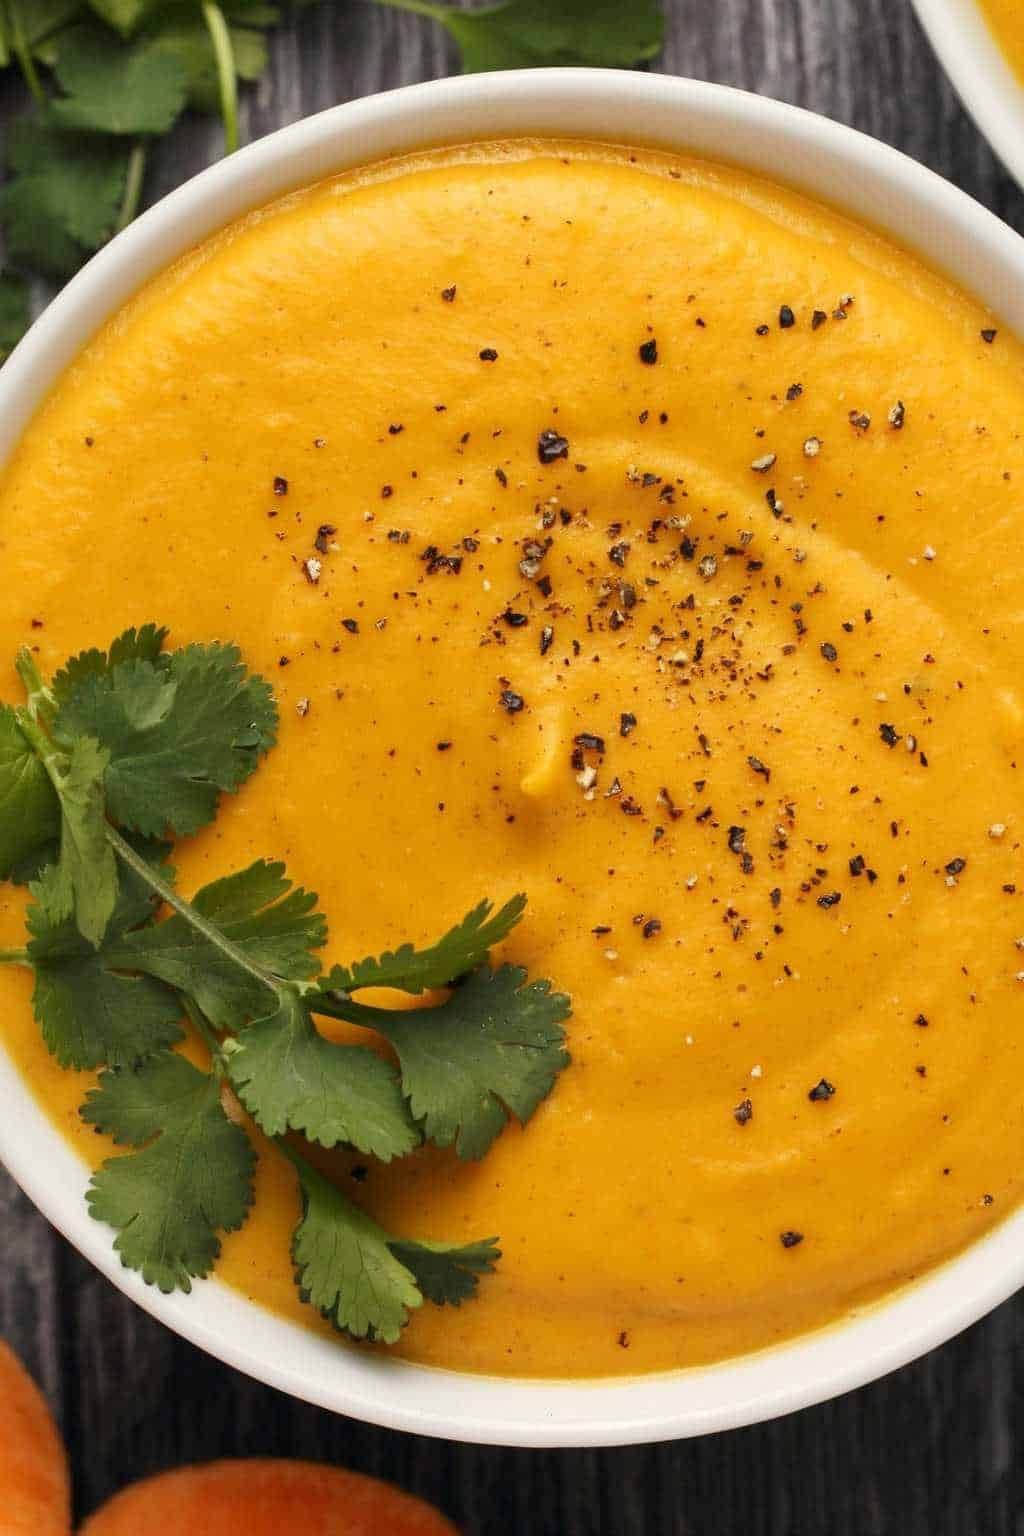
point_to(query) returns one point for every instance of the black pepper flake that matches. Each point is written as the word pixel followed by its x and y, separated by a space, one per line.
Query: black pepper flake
pixel 435 561
pixel 736 839
pixel 743 1113
pixel 829 651
pixel 324 534
pixel 500 476
pixel 280 485
pixel 352 625
pixel 648 352
pixel 552 445
pixel 514 620
pixel 897 416
pixel 395 428
pixel 988 335
pixel 791 1239
pixel 448 294
pixel 512 702
pixel 618 554
pixel 831 899
pixel 761 330
pixel 921 1021
pixel 775 897
pixel 629 807
pixel 651 928
pixel 956 866
pixel 818 319
pixel 794 392
pixel 444 746
pixel 857 864
pixel 589 741
pixel 398 535
pixel 627 723
pixel 821 1091
pixel 758 767
pixel 488 355
pixel 786 317
pixel 547 639
pixel 386 491
pixel 889 734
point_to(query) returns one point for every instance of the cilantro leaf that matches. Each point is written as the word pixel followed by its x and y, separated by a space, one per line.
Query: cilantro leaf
pixel 459 951
pixel 90 1012
pixel 445 1273
pixel 275 925
pixel 493 1049
pixel 85 880
pixel 187 39
pixel 179 730
pixel 523 33
pixel 63 198
pixel 123 15
pixel 145 644
pixel 362 1279
pixel 14 313
pixel 344 1264
pixel 191 1179
pixel 29 808
pixel 116 88
pixel 289 1077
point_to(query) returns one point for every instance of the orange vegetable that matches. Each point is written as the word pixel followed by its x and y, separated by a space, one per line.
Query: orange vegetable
pixel 34 1495
pixel 266 1498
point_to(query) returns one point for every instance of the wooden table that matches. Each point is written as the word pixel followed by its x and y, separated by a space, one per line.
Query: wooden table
pixel 929 1452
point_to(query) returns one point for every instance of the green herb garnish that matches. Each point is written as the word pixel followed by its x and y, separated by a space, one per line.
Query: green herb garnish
pixel 122 751
pixel 522 34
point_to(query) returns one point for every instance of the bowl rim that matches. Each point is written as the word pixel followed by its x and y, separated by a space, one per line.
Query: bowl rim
pixel 982 75
pixel 872 183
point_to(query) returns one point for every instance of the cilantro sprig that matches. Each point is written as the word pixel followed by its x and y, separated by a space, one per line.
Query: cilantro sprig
pixel 109 78
pixel 100 769
pixel 522 34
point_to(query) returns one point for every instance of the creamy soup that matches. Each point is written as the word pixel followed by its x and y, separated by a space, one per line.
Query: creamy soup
pixel 1007 22
pixel 781 555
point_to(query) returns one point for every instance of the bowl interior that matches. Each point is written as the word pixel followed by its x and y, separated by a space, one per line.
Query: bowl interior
pixel 834 164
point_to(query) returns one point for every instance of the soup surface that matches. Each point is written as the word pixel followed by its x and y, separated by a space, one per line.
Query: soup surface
pixel 1007 22
pixel 781 577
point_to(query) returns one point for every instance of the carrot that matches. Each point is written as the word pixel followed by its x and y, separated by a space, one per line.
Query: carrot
pixel 34 1494
pixel 265 1498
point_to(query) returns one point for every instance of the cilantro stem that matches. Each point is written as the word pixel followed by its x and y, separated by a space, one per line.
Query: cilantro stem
pixel 39 694
pixel 50 757
pixel 15 957
pixel 22 51
pixel 210 932
pixel 227 78
pixel 132 187
pixel 200 1023
pixel 338 1005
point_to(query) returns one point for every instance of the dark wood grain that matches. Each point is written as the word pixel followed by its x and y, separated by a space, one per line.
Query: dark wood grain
pixel 931 1451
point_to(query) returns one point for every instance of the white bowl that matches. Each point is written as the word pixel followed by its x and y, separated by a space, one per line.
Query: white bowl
pixel 984 80
pixel 819 157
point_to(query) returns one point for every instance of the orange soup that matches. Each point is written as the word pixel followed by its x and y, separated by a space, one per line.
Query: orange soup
pixel 774 567
pixel 1007 23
